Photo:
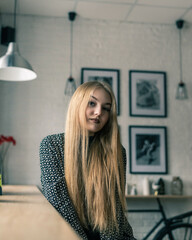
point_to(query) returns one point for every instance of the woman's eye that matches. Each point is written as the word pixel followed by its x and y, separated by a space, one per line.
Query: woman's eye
pixel 106 109
pixel 91 104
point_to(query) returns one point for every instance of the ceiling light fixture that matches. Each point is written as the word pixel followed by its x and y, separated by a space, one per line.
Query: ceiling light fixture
pixel 13 67
pixel 70 86
pixel 181 87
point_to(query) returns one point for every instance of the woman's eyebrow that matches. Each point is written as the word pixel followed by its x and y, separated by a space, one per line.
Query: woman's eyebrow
pixel 98 100
pixel 94 97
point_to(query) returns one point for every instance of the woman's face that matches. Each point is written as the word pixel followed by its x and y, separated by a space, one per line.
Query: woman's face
pixel 97 111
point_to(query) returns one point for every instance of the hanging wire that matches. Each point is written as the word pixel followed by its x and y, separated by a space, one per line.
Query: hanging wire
pixel 70 84
pixel 15 8
pixel 71 50
pixel 180 57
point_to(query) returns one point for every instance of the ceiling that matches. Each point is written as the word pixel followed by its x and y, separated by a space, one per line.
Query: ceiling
pixel 137 11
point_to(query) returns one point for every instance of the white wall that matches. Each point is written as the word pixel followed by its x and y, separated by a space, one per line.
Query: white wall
pixel 31 110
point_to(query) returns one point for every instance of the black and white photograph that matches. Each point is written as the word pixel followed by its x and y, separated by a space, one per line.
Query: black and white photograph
pixel 147 93
pixel 148 153
pixel 111 76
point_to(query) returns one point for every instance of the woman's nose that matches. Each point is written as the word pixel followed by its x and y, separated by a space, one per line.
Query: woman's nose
pixel 98 111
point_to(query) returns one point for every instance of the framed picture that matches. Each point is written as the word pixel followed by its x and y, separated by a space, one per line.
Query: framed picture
pixel 148 149
pixel 147 93
pixel 111 76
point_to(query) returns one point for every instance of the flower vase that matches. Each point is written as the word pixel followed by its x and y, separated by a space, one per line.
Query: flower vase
pixel 4 147
pixel 1 175
pixel 177 186
pixel 0 185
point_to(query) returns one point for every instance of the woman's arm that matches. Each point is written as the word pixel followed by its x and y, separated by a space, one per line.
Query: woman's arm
pixel 53 181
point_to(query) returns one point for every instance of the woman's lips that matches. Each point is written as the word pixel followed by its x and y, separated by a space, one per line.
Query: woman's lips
pixel 95 120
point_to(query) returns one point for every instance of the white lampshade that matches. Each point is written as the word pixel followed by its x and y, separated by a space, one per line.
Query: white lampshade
pixel 13 67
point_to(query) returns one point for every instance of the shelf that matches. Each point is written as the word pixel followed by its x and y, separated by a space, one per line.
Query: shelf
pixel 158 196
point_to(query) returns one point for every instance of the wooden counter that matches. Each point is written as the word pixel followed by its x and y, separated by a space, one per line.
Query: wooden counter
pixel 25 214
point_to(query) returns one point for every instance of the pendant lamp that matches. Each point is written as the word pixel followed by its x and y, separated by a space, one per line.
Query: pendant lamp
pixel 70 86
pixel 181 93
pixel 13 67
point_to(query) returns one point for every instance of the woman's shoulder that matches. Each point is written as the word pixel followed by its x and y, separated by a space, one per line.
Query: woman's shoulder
pixel 123 150
pixel 52 149
pixel 124 156
pixel 53 138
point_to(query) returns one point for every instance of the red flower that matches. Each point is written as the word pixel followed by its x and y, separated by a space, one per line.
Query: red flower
pixel 7 139
pixel 5 143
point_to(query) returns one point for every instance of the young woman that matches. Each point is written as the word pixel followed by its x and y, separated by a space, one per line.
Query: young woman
pixel 83 170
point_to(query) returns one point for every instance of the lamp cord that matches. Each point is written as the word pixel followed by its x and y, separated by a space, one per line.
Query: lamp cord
pixel 71 50
pixel 180 55
pixel 15 8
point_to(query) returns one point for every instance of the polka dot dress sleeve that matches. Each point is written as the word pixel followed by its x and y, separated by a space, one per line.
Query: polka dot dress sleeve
pixel 53 181
pixel 128 232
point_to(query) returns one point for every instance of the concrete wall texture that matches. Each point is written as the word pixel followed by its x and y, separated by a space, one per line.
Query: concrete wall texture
pixel 31 110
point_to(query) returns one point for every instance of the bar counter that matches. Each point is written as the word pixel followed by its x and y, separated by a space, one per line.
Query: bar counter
pixel 25 214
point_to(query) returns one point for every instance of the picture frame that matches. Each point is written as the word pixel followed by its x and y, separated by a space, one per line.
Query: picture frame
pixel 148 149
pixel 111 76
pixel 147 93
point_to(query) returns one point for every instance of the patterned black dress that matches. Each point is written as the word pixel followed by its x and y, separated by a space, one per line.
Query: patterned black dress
pixel 54 188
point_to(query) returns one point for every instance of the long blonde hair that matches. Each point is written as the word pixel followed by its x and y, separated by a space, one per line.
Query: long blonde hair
pixel 94 172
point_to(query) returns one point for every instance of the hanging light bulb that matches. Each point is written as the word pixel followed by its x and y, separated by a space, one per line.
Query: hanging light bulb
pixel 181 91
pixel 13 67
pixel 70 86
pixel 181 87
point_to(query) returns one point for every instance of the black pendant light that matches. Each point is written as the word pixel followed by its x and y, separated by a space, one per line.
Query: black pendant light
pixel 70 84
pixel 13 67
pixel 181 93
